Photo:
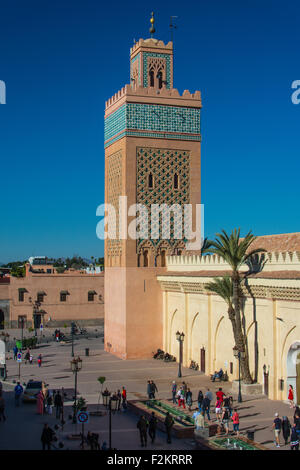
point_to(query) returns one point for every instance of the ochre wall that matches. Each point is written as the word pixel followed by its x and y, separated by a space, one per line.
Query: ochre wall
pixel 204 320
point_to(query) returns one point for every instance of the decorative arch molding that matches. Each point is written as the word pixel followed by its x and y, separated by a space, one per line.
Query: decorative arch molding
pixel 249 328
pixel 145 245
pixel 285 341
pixel 293 368
pixel 215 339
pixel 191 335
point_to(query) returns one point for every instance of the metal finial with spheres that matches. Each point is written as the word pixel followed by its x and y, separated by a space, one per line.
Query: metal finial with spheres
pixel 152 29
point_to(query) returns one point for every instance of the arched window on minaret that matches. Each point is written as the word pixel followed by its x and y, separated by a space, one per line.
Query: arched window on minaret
pixel 151 77
pixel 159 78
pixel 150 181
pixel 146 261
pixel 163 259
pixel 176 181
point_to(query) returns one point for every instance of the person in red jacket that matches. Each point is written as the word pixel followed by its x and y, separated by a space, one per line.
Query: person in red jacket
pixel 236 423
pixel 220 395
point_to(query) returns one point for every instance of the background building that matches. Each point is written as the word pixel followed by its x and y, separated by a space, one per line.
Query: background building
pixel 45 297
pixel 271 309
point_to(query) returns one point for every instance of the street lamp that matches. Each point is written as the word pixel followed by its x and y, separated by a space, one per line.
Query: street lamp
pixel 76 366
pixel 180 339
pixel 238 355
pixel 72 333
pixel 113 405
pixel 35 305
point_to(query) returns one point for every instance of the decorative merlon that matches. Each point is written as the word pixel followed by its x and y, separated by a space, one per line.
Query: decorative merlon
pixel 151 43
pixel 276 261
pixel 152 92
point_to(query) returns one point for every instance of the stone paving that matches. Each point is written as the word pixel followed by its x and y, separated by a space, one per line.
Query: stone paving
pixel 256 413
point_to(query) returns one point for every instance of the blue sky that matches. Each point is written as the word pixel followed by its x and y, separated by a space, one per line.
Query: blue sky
pixel 61 60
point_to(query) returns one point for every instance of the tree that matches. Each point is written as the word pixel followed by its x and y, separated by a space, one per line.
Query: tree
pixel 18 271
pixel 236 252
pixel 101 380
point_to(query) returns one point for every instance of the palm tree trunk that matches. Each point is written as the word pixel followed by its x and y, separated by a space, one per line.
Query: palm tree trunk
pixel 239 336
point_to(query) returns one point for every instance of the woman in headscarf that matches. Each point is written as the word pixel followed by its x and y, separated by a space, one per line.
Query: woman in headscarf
pixel 286 429
pixel 40 403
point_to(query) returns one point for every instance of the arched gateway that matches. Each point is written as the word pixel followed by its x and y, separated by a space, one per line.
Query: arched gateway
pixel 293 370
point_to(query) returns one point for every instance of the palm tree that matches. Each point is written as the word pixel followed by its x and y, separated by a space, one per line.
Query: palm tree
pixel 236 252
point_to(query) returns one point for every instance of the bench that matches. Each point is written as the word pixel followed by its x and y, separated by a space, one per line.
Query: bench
pixel 223 378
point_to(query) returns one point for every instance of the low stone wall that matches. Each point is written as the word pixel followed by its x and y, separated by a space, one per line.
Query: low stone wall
pixel 247 389
pixel 178 431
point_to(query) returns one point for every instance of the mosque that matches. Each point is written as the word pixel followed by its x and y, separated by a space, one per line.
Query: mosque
pixel 155 287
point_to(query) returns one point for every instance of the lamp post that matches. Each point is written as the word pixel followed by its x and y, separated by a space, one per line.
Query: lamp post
pixel 35 305
pixel 238 355
pixel 180 339
pixel 113 404
pixel 76 365
pixel 72 333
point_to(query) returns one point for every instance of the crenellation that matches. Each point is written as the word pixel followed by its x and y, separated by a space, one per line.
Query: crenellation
pixel 276 261
pixel 150 91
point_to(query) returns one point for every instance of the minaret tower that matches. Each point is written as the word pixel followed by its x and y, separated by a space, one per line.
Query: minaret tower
pixel 152 156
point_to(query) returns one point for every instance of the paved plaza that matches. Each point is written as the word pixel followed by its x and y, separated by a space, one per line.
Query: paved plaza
pixel 23 427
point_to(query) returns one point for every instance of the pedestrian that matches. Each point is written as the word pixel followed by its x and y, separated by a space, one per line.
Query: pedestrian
pixel 49 403
pixel 124 394
pixel 184 386
pixel 206 407
pixel 209 396
pixel 149 390
pixel 152 427
pixel 277 424
pixel 225 420
pixel 180 398
pixel 30 358
pixel 27 355
pixel 169 421
pixel 189 399
pixel 200 420
pixel 227 405
pixel 15 350
pixel 200 399
pixel 2 408
pixel 47 437
pixel 195 415
pixel 142 426
pixel 291 396
pixel 218 410
pixel 40 360
pixel 40 403
pixel 119 395
pixel 154 389
pixel 297 420
pixel 18 393
pixel 174 389
pixel 294 439
pixel 236 422
pixel 286 429
pixel 58 403
pixel 220 395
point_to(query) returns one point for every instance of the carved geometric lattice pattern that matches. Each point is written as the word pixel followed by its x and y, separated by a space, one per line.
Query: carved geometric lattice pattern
pixel 163 165
pixel 114 185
